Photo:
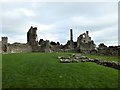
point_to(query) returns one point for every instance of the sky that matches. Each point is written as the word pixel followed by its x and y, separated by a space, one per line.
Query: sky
pixel 55 19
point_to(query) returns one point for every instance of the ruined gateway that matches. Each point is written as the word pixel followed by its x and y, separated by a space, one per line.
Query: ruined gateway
pixel 84 44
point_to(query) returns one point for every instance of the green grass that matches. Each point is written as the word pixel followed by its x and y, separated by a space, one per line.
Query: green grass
pixel 43 70
pixel 0 71
pixel 103 57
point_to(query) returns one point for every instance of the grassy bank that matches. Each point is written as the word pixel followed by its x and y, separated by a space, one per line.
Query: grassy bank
pixel 43 70
pixel 103 57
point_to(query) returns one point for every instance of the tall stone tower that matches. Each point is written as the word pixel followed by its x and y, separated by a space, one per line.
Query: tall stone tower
pixel 71 35
pixel 32 38
pixel 4 44
pixel 71 40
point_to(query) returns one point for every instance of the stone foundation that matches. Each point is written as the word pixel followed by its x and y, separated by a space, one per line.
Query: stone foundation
pixel 79 58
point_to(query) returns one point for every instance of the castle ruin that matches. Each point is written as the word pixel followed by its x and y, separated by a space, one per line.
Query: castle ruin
pixel 4 44
pixel 32 36
pixel 71 40
pixel 84 44
pixel 15 47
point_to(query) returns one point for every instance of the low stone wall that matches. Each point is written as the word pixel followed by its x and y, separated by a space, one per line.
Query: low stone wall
pixel 111 64
pixel 19 48
pixel 79 58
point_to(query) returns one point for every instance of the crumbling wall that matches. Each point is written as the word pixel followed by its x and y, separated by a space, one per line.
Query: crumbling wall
pixel 32 36
pixel 32 39
pixel 4 44
pixel 47 47
pixel 19 48
pixel 84 43
pixel 111 50
pixel 56 48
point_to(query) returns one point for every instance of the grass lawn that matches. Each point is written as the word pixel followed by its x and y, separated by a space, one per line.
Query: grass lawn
pixel 43 70
pixel 0 71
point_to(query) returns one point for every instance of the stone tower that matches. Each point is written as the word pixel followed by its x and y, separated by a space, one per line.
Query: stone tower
pixel 32 39
pixel 71 40
pixel 71 35
pixel 32 36
pixel 4 44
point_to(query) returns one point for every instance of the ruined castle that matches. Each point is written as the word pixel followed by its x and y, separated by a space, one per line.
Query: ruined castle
pixel 84 44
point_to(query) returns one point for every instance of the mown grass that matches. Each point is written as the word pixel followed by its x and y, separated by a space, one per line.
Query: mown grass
pixel 43 70
pixel 103 57
pixel 0 71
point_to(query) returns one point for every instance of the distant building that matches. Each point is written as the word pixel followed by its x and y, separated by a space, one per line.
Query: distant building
pixel 84 44
pixel 13 48
pixel 111 50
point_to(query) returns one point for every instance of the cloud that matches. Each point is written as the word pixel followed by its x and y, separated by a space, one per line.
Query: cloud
pixel 16 12
pixel 59 0
pixel 42 27
pixel 26 12
pixel 54 20
pixel 107 35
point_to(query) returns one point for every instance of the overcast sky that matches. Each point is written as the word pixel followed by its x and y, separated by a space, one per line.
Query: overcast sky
pixel 55 19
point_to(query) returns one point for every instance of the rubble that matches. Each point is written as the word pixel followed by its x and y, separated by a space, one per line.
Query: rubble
pixel 80 58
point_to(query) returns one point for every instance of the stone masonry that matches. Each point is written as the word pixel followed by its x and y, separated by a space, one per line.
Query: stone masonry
pixel 84 43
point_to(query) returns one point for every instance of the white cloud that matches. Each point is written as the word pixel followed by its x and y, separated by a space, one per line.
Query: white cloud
pixel 42 27
pixel 97 21
pixel 54 20
pixel 51 37
pixel 108 36
pixel 15 13
pixel 26 12
pixel 59 0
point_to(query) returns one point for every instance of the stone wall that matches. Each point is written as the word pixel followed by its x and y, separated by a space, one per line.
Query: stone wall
pixel 19 48
pixel 84 43
pixel 75 58
pixel 111 50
